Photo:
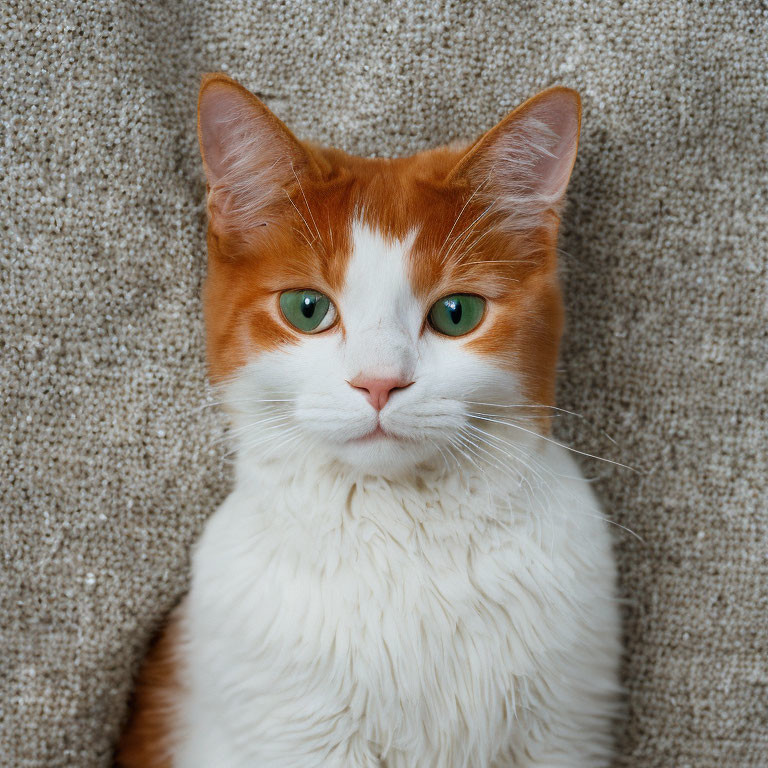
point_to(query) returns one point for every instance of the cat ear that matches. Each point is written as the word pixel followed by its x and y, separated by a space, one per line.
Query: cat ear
pixel 522 165
pixel 249 156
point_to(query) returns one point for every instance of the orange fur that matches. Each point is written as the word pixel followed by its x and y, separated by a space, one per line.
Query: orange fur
pixel 147 739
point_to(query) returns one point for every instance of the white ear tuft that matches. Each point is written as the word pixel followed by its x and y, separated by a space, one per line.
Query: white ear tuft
pixel 522 166
pixel 249 156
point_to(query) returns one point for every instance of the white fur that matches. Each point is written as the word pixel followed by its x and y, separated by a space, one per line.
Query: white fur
pixel 431 600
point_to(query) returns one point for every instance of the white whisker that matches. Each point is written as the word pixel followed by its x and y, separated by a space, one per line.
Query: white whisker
pixel 556 476
pixel 306 202
pixel 525 405
pixel 550 440
pixel 256 425
pixel 460 239
pixel 309 229
pixel 463 208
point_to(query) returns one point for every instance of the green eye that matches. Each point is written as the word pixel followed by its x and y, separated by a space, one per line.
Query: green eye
pixel 308 311
pixel 457 314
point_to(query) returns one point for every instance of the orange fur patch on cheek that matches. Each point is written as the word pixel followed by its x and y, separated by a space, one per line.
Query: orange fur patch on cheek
pixel 238 302
pixel 516 274
pixel 246 275
pixel 523 334
pixel 466 252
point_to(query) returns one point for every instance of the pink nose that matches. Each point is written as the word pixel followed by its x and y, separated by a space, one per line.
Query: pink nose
pixel 377 391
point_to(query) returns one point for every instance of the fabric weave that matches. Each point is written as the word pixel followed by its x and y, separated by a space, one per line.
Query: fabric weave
pixel 110 464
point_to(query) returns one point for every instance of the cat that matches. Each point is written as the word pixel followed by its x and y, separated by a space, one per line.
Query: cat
pixel 410 572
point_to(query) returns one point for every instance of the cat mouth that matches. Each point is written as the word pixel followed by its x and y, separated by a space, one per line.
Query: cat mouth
pixel 377 434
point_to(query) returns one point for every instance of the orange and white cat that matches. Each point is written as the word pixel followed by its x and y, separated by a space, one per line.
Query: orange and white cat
pixel 409 571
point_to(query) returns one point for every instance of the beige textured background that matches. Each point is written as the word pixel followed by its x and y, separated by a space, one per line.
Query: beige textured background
pixel 109 466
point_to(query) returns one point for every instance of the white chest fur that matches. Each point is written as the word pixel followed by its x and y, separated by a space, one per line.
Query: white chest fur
pixel 449 622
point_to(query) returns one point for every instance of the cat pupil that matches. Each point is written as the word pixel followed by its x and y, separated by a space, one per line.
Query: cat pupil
pixel 454 308
pixel 308 306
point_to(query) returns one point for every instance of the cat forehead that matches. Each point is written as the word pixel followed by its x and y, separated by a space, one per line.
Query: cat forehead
pixel 386 226
pixel 377 293
pixel 378 262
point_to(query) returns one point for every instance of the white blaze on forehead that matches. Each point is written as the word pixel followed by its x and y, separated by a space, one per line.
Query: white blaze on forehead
pixel 381 315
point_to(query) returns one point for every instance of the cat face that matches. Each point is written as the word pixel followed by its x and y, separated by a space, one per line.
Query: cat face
pixel 372 310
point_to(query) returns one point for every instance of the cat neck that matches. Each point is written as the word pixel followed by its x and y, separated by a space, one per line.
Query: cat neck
pixel 467 473
pixel 316 500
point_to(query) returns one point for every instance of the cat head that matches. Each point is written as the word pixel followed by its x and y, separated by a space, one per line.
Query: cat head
pixel 372 310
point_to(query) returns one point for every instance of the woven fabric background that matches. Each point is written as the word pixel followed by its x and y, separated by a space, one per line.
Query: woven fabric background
pixel 110 464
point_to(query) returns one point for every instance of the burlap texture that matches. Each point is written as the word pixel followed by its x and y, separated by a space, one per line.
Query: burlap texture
pixel 110 465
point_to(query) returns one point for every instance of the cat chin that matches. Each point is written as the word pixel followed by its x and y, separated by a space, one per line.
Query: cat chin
pixel 385 455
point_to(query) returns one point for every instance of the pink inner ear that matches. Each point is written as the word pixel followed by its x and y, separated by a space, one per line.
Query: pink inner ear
pixel 559 116
pixel 249 156
pixel 223 115
pixel 528 158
